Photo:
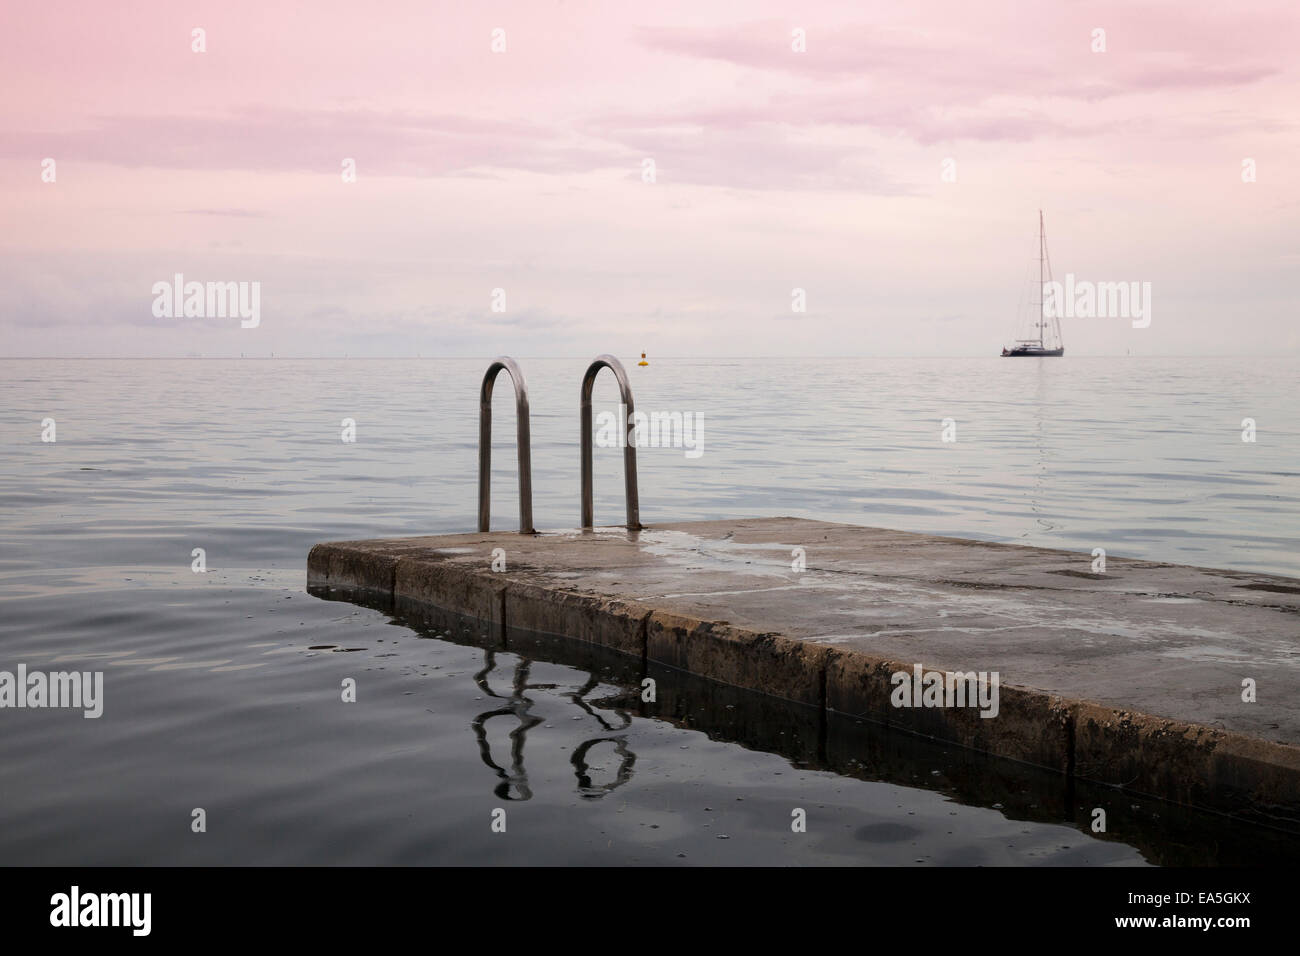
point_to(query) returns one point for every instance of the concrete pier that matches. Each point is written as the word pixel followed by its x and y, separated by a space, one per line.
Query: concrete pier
pixel 1132 678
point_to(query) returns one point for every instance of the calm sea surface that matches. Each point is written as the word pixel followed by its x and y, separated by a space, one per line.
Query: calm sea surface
pixel 222 689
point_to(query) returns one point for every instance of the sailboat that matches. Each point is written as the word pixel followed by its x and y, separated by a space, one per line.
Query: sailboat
pixel 1046 345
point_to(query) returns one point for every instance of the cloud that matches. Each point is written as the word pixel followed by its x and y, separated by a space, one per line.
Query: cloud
pixel 971 66
pixel 279 140
pixel 237 213
pixel 758 127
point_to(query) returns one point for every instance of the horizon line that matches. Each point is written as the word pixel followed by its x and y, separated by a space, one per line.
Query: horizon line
pixel 422 358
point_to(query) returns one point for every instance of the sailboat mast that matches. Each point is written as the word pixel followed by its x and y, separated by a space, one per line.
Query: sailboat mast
pixel 1042 255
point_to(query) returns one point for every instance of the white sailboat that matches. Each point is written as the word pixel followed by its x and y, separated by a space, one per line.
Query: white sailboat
pixel 1049 343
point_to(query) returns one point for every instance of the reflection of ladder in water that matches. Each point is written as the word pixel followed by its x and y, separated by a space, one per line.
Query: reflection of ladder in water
pixel 514 782
pixel 524 444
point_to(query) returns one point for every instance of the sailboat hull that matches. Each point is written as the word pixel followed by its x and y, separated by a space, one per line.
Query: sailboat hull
pixel 1033 353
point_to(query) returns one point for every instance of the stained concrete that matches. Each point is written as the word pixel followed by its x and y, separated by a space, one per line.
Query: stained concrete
pixel 1131 678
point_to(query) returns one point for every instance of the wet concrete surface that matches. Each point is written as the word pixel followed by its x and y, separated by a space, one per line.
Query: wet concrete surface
pixel 1131 678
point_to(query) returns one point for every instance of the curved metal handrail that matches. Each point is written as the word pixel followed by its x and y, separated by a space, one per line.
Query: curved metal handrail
pixel 523 442
pixel 629 446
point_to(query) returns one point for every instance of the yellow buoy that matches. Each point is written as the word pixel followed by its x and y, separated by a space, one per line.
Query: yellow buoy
pixel 643 361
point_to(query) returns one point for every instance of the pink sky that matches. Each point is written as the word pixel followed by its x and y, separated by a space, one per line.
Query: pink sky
pixel 522 170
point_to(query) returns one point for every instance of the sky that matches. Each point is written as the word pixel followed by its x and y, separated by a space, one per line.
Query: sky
pixel 892 169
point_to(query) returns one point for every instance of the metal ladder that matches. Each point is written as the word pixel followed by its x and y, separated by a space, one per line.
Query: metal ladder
pixel 525 447
pixel 629 446
pixel 523 441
